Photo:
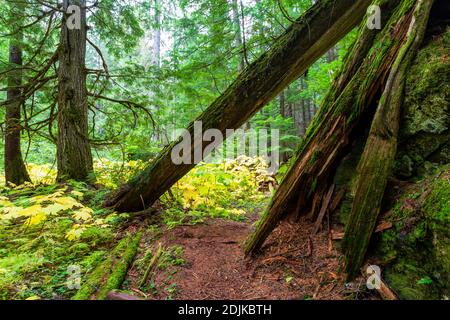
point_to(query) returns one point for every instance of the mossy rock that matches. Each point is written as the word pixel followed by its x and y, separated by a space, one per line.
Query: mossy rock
pixel 425 128
pixel 418 245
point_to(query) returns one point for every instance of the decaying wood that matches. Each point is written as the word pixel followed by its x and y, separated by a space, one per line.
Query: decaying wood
pixel 379 154
pixel 110 273
pixel 383 226
pixel 385 292
pixel 152 265
pixel 323 210
pixel 318 198
pixel 305 41
pixel 363 77
pixel 337 200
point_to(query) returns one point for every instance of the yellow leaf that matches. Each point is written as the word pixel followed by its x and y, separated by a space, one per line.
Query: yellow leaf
pixel 6 203
pixel 30 211
pixel 84 214
pixel 36 219
pixel 74 233
pixel 67 202
pixel 54 209
pixel 10 213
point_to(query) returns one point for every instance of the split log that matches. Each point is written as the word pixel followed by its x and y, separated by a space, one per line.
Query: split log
pixel 305 41
pixel 378 157
pixel 323 210
pixel 362 78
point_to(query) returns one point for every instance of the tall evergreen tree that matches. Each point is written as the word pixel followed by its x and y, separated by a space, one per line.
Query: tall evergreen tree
pixel 15 170
pixel 73 147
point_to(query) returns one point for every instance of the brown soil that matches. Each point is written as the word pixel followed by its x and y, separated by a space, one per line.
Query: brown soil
pixel 292 264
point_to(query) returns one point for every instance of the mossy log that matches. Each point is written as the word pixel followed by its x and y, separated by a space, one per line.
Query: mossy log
pixel 305 41
pixel 110 274
pixel 378 157
pixel 355 90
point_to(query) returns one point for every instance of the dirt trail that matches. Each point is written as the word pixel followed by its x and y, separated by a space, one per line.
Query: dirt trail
pixel 292 265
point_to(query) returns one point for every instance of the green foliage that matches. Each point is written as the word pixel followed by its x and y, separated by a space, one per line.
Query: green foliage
pixel 227 190
pixel 44 229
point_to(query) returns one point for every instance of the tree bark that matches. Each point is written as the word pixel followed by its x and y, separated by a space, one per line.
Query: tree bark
pixel 361 79
pixel 378 157
pixel 73 148
pixel 304 122
pixel 15 169
pixel 306 40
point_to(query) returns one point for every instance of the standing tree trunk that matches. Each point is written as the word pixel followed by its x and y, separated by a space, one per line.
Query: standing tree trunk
pixel 282 104
pixel 158 135
pixel 15 170
pixel 283 113
pixel 238 33
pixel 73 148
pixel 156 61
pixel 306 40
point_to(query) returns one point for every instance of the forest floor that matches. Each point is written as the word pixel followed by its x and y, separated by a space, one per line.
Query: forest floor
pixel 293 265
pixel 54 234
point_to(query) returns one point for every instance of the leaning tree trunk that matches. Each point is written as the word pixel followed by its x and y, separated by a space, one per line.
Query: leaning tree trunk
pixel 378 157
pixel 15 169
pixel 73 148
pixel 306 40
pixel 354 92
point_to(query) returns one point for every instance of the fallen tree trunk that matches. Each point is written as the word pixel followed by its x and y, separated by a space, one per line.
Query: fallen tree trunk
pixel 378 157
pixel 110 274
pixel 355 90
pixel 306 40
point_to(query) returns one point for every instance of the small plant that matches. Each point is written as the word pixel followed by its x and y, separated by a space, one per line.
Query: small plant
pixel 425 281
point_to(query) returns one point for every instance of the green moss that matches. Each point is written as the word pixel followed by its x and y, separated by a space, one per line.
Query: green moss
pixel 109 274
pixel 425 129
pixel 96 236
pixel 120 269
pixel 418 245
pixel 427 95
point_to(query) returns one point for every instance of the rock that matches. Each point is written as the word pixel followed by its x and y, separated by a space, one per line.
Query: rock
pixel 419 243
pixel 425 128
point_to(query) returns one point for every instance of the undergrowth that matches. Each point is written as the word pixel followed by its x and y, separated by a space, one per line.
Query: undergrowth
pixel 47 230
